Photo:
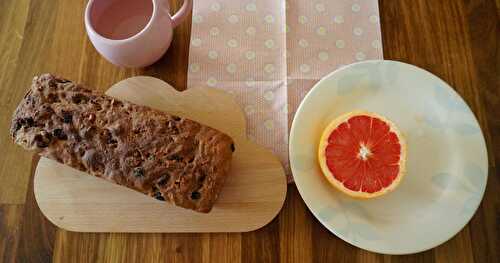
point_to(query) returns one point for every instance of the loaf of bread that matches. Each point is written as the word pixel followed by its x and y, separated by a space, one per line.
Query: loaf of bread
pixel 161 155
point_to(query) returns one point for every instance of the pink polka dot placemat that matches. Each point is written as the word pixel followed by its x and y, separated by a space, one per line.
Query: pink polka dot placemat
pixel 269 54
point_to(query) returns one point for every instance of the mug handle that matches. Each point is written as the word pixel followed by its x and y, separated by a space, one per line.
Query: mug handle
pixel 182 13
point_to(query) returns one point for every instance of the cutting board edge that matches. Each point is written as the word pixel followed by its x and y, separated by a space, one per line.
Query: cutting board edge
pixel 69 227
pixel 250 227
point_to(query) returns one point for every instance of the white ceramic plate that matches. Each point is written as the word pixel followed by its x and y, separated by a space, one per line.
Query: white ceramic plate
pixel 447 164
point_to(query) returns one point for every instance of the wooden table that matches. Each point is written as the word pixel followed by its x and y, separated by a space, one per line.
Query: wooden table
pixel 455 39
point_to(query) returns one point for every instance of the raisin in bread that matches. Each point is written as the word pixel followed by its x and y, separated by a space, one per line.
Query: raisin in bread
pixel 161 155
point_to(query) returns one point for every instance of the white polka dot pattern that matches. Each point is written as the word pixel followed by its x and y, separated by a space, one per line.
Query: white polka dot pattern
pixel 212 54
pixel 196 42
pixel 303 19
pixel 233 19
pixel 269 43
pixel 249 109
pixel 251 31
pixel 211 82
pixel 269 68
pixel 250 55
pixel 250 82
pixel 304 68
pixel 194 67
pixel 232 43
pixel 197 19
pixel 269 19
pixel 373 19
pixel 340 43
pixel 360 56
pixel 321 31
pixel 269 124
pixel 284 109
pixel 215 7
pixel 320 7
pixel 323 56
pixel 338 19
pixel 231 68
pixel 268 54
pixel 214 31
pixel 269 95
pixel 358 31
pixel 251 7
pixel 303 43
pixel 355 8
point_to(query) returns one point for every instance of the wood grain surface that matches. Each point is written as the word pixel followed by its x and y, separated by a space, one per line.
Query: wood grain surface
pixel 454 39
pixel 253 193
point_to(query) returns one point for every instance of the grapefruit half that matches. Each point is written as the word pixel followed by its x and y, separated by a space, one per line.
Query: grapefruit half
pixel 362 154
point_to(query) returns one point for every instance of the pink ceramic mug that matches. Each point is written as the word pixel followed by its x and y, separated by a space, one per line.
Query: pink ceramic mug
pixel 132 33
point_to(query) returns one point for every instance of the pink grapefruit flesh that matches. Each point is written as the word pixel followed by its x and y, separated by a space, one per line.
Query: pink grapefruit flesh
pixel 362 154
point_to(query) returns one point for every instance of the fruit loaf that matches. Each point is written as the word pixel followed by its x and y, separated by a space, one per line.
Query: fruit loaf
pixel 161 155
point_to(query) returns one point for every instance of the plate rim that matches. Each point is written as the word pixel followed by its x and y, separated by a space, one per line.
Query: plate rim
pixel 329 227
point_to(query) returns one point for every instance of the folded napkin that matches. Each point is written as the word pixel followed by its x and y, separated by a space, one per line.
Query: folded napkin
pixel 269 54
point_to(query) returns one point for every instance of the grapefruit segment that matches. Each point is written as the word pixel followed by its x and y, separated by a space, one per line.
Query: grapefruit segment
pixel 362 154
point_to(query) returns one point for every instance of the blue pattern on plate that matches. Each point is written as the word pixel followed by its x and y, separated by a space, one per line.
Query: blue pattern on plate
pixel 473 175
pixel 443 114
pixel 352 229
pixel 364 231
pixel 362 79
pixel 442 180
pixel 433 121
pixel 446 99
pixel 466 128
pixel 469 205
pixel 327 213
pixel 446 181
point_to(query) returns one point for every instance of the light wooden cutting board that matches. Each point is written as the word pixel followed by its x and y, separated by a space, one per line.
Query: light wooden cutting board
pixel 252 196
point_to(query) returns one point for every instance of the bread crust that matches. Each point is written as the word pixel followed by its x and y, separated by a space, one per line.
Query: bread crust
pixel 161 155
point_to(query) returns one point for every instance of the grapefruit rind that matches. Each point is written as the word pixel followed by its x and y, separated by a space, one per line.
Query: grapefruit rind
pixel 336 183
